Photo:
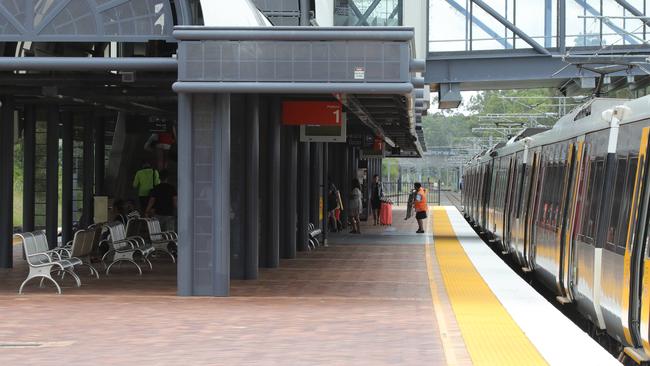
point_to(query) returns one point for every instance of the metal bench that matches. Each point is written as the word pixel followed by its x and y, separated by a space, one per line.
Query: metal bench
pixel 149 229
pixel 125 248
pixel 313 236
pixel 43 261
pixel 82 246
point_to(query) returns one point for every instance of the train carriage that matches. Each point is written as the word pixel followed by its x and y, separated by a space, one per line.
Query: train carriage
pixel 570 205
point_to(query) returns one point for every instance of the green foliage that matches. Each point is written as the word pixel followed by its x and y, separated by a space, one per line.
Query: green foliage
pixel 452 128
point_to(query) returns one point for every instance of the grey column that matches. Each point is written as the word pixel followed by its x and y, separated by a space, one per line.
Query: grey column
pixel 315 170
pixel 346 180
pixel 204 211
pixel 324 180
pixel 66 181
pixel 6 182
pixel 272 258
pixel 264 172
pixel 100 147
pixel 238 224
pixel 29 168
pixel 52 176
pixel 289 192
pixel 303 195
pixel 185 264
pixel 252 157
pixel 88 210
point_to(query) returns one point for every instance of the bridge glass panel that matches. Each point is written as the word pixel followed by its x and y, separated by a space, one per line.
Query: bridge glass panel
pixel 368 12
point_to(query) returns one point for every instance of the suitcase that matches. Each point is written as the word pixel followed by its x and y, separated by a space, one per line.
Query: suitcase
pixel 386 214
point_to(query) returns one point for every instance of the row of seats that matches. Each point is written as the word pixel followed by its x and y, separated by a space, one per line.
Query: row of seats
pixel 134 242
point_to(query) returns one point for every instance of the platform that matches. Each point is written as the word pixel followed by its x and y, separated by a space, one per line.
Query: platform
pixel 388 296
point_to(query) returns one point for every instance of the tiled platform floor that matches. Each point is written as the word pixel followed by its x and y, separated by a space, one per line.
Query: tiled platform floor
pixel 347 304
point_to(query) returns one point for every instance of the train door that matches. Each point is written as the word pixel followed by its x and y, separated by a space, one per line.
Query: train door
pixel 494 180
pixel 512 195
pixel 485 196
pixel 533 194
pixel 568 253
pixel 636 298
pixel 505 204
pixel 514 221
pixel 564 205
pixel 587 250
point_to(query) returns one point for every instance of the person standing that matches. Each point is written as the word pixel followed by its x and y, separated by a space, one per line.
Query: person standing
pixel 354 208
pixel 145 179
pixel 376 195
pixel 162 204
pixel 332 205
pixel 420 205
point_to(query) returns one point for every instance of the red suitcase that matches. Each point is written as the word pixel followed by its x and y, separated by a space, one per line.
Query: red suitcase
pixel 386 214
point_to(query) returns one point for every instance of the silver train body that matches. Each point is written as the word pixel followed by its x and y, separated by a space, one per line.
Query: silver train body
pixel 570 204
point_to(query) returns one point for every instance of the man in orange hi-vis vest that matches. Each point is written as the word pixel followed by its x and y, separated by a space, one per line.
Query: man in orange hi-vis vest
pixel 420 204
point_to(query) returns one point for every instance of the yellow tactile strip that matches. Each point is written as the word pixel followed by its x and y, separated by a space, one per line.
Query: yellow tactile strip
pixel 491 336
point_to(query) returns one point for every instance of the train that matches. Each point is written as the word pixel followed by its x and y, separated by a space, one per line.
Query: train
pixel 570 206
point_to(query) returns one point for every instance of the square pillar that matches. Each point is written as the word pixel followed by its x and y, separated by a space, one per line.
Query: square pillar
pixel 88 194
pixel 66 181
pixel 6 182
pixel 252 159
pixel 52 176
pixel 29 168
pixel 289 189
pixel 303 195
pixel 272 186
pixel 204 198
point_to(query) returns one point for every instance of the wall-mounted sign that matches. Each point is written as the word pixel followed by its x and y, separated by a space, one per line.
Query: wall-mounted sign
pixel 314 113
pixel 359 73
pixel 325 133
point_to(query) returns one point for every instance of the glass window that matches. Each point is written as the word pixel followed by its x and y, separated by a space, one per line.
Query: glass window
pixel 367 13
pixel 617 197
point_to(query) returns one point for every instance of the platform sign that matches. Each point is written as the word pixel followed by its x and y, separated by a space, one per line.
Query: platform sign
pixel 312 113
pixel 325 133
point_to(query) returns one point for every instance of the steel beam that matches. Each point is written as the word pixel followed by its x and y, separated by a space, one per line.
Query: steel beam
pixel 291 87
pixel 634 11
pixel 304 13
pixel 52 176
pixel 497 37
pixel 363 20
pixel 315 172
pixel 88 64
pixel 495 14
pixel 6 182
pixel 506 72
pixel 561 26
pixel 194 33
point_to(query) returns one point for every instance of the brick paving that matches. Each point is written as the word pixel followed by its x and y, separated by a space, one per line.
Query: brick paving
pixel 346 304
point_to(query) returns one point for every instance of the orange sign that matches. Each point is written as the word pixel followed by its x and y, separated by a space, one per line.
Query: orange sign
pixel 310 112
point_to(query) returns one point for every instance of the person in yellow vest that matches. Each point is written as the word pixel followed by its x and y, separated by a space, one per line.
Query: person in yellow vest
pixel 420 205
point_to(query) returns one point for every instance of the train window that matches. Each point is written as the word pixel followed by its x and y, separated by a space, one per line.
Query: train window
pixel 617 197
pixel 589 205
pixel 626 204
pixel 594 199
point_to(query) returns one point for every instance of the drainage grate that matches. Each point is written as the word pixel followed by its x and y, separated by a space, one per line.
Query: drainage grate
pixel 35 344
pixel 20 345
